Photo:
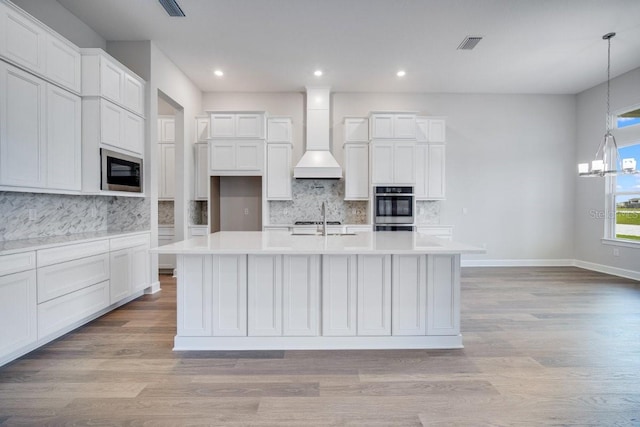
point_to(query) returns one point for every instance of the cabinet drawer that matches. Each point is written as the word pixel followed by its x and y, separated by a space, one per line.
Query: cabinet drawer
pixel 198 231
pixel 60 279
pixel 15 263
pixel 62 312
pixel 71 252
pixel 129 241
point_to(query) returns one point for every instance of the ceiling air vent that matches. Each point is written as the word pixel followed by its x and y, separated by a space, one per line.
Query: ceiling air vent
pixel 172 7
pixel 469 42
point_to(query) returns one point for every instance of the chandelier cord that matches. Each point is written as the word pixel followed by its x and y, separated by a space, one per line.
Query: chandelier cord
pixel 608 85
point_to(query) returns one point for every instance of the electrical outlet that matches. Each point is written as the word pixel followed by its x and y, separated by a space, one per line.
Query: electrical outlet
pixel 246 211
pixel 33 215
pixel 616 252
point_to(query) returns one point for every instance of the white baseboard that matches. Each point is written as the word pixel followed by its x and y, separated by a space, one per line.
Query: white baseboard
pixel 517 263
pixel 155 287
pixel 615 271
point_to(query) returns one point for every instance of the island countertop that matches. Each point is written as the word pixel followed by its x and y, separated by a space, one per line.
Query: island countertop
pixel 283 242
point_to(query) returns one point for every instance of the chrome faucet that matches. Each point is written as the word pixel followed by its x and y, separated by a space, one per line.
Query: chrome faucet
pixel 324 219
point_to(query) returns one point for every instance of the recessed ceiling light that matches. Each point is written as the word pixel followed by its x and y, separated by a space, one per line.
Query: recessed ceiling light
pixel 401 73
pixel 218 73
pixel 317 73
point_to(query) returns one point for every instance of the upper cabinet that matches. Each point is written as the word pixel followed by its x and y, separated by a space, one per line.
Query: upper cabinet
pixel 166 129
pixel 104 76
pixel 356 129
pixel 392 125
pixel 166 171
pixel 279 148
pixel 430 129
pixel 29 44
pixel 393 162
pixel 356 158
pixel 202 128
pixel 237 125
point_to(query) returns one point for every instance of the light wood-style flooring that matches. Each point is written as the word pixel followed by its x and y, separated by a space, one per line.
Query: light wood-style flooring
pixel 543 346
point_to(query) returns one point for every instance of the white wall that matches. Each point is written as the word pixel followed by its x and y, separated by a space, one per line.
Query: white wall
pixel 64 22
pixel 590 193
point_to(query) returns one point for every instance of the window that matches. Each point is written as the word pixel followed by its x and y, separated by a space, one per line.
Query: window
pixel 625 200
pixel 628 118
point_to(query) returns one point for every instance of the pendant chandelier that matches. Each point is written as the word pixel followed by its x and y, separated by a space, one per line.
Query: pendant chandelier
pixel 607 158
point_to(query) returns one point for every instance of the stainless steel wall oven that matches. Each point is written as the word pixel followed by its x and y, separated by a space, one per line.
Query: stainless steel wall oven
pixel 394 206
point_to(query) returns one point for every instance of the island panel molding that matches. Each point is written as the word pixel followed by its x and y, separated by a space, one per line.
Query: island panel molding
pixel 272 290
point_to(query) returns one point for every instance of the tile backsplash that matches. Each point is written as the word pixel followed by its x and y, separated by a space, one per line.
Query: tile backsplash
pixel 58 214
pixel 166 214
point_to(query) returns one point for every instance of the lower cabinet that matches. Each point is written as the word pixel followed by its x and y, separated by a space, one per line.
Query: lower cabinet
pixel 230 295
pixel 339 292
pixel 18 318
pixel 129 266
pixel 374 294
pixel 120 275
pixel 409 296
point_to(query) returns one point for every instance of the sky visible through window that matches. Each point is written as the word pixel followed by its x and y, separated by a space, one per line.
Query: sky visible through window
pixel 623 122
pixel 628 182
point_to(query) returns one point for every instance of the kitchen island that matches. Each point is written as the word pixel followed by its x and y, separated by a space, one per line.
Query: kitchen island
pixel 274 290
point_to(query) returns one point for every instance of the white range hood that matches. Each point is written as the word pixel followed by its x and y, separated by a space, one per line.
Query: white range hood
pixel 317 161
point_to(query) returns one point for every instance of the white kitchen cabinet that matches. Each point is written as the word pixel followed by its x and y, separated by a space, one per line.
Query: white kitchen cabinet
pixel 409 294
pixel 393 162
pixel 430 171
pixel 237 125
pixel 202 128
pixel 374 295
pixel 18 312
pixel 392 125
pixel 440 231
pixel 118 127
pixel 166 236
pixel 166 171
pixel 129 265
pixel 23 41
pixel 443 295
pixel 264 281
pixel 195 316
pixel 301 295
pixel 356 129
pixel 356 174
pixel 229 295
pixel 63 64
pixel 279 171
pixel 64 139
pixel 63 278
pixel 430 129
pixel 166 129
pixel 279 129
pixel 103 76
pixel 201 171
pixel 40 144
pixel 339 295
pixel 236 157
pixel 198 230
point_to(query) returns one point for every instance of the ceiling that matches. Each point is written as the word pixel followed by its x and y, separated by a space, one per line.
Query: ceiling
pixel 541 46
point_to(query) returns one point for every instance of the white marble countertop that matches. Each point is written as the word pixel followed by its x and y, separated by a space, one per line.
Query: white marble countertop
pixel 24 245
pixel 282 242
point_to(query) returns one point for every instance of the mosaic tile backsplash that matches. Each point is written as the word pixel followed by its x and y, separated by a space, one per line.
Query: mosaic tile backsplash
pixel 57 214
pixel 166 214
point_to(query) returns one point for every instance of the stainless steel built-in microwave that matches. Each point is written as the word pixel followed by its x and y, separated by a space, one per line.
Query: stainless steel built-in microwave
pixel 394 205
pixel 120 172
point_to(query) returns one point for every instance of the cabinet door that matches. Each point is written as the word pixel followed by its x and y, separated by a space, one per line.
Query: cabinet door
pixel 223 125
pixel 140 268
pixel 24 41
pixel 167 130
pixel 249 126
pixel 404 126
pixel 202 128
pixel 422 129
pixel 111 123
pixel 356 129
pixel 195 295
pixel 18 318
pixel 279 172
pixel 133 138
pixel 356 173
pixel 265 295
pixel 382 163
pixel 443 295
pixel 409 295
pixel 63 64
pixel 64 151
pixel 133 94
pixel 374 295
pixel 436 172
pixel 22 133
pixel 404 157
pixel 382 126
pixel 279 129
pixel 222 155
pixel 111 80
pixel 230 295
pixel 249 155
pixel 437 130
pixel 301 299
pixel 202 172
pixel 422 173
pixel 339 290
pixel 120 281
pixel 167 176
